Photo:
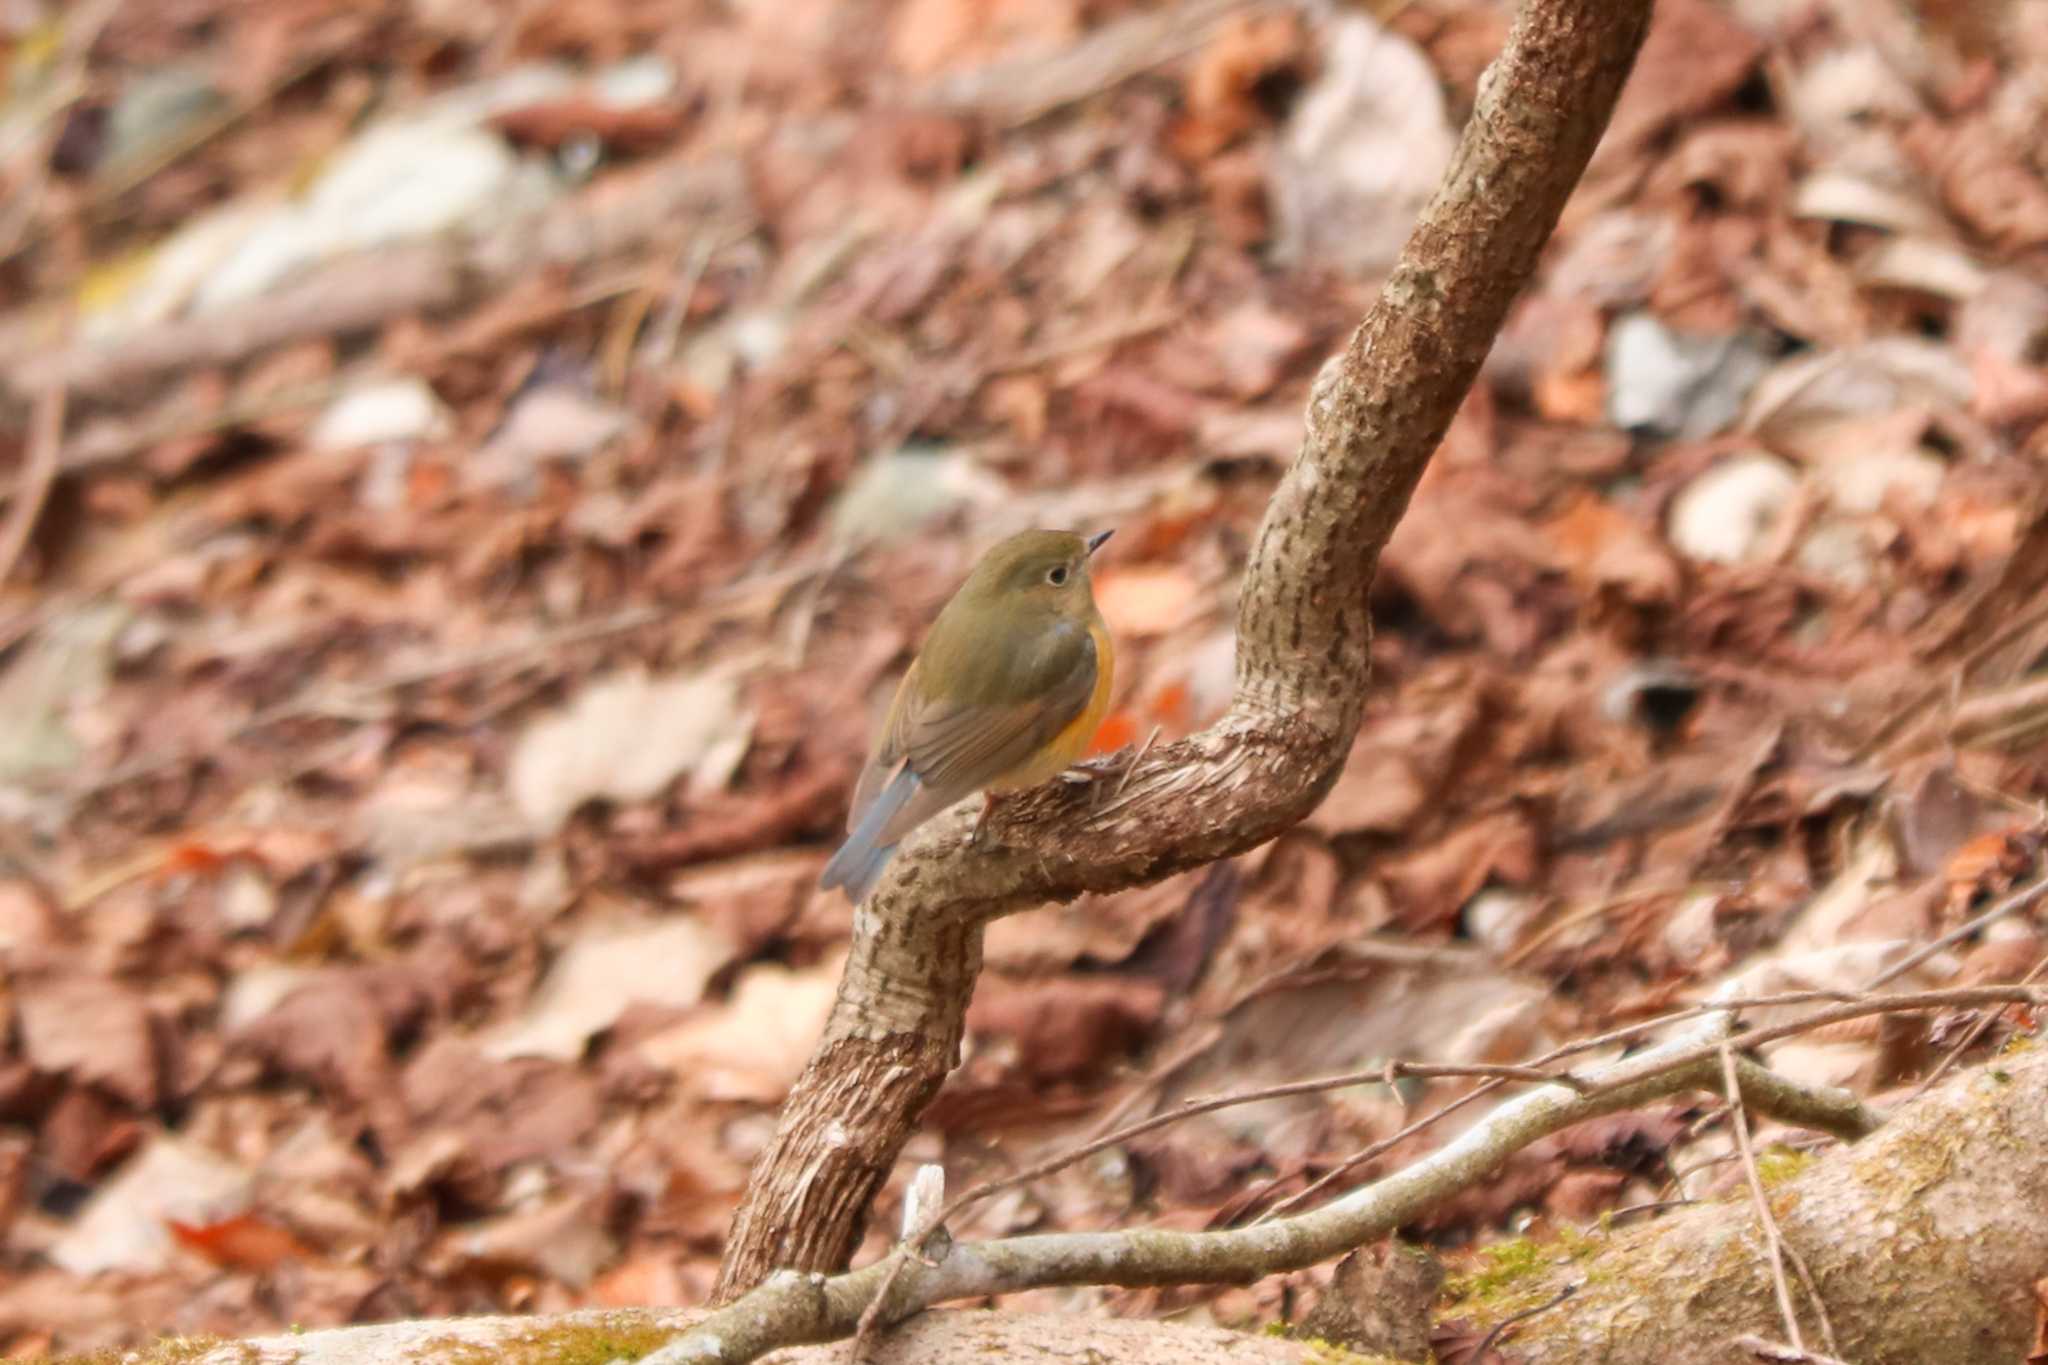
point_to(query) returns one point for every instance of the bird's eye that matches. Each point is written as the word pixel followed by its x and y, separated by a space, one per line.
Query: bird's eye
pixel 1058 576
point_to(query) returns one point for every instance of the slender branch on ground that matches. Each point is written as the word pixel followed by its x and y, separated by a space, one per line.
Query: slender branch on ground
pixel 793 1308
pixel 1625 1033
pixel 1959 1289
pixel 1377 1149
pixel 1774 1242
pixel 1968 996
pixel 2018 900
pixel 1976 1031
pixel 1779 1354
pixel 362 292
pixel 1209 1104
pixel 1500 1328
pixel 911 1246
pixel 39 475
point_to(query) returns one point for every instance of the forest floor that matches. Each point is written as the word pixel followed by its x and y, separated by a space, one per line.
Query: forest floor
pixel 473 474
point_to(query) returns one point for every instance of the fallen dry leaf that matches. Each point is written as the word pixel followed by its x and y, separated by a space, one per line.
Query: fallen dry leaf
pixel 1146 599
pixel 1695 55
pixel 562 1236
pixel 244 1241
pixel 753 1046
pixel 91 1030
pixel 603 972
pixel 625 738
pixel 126 1225
pixel 928 36
pixel 1603 547
pixel 1221 86
pixel 1064 1026
pixel 1361 152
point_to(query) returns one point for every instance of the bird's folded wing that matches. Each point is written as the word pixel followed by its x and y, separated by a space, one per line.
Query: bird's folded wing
pixel 956 748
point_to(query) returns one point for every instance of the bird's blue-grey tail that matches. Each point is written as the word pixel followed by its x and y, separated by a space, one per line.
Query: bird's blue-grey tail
pixel 860 859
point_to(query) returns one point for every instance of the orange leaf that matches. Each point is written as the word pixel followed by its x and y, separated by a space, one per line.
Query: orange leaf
pixel 1575 397
pixel 1171 703
pixel 191 856
pixel 1118 729
pixel 243 1242
pixel 427 483
pixel 1982 858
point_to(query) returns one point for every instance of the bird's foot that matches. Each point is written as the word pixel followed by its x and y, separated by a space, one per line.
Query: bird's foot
pixel 978 839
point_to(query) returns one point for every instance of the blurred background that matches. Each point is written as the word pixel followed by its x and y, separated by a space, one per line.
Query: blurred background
pixel 473 473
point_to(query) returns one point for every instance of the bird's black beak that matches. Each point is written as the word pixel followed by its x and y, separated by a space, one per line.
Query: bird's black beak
pixel 1095 541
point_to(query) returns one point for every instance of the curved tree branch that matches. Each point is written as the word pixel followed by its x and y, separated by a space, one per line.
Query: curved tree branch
pixel 1375 415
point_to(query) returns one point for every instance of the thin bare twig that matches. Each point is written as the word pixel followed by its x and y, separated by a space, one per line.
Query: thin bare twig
pixel 1792 1253
pixel 1095 339
pixel 2018 900
pixel 1649 1206
pixel 105 443
pixel 1625 1033
pixel 1499 1328
pixel 922 1218
pixel 789 1307
pixel 1904 716
pixel 1977 1030
pixel 1211 1103
pixel 38 476
pixel 1806 1281
pixel 1494 1076
pixel 1377 1149
pixel 1774 1243
pixel 1861 1009
pixel 1017 90
pixel 1780 1354
pixel 1136 759
pixel 364 290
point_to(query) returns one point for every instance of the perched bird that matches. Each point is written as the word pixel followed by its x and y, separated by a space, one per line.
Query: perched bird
pixel 1009 688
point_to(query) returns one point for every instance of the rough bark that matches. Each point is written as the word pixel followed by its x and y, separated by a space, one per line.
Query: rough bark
pixel 1925 1240
pixel 1375 416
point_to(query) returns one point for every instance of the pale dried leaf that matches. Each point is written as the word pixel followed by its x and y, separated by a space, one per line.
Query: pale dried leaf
pixel 600 974
pixel 122 1227
pixel 753 1046
pixel 625 738
pixel 94 1031
pixel 1362 152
